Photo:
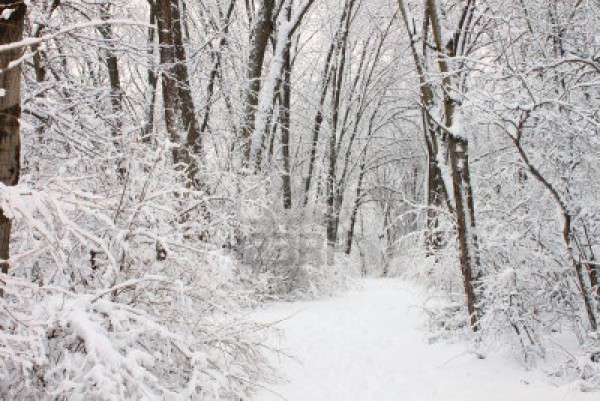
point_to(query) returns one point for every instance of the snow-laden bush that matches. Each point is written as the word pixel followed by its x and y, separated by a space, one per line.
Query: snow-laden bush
pixel 69 346
pixel 114 294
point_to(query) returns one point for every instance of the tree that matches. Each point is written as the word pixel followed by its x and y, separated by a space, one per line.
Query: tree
pixel 262 27
pixel 11 30
pixel 447 132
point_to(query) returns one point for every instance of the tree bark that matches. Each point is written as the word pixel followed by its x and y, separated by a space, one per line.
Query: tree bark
pixel 193 142
pixel 114 77
pixel 167 61
pixel 332 228
pixel 286 94
pixel 263 27
pixel 357 201
pixel 152 79
pixel 11 30
pixel 437 192
pixel 458 151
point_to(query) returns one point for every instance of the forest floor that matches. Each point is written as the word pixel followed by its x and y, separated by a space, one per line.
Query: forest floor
pixel 369 344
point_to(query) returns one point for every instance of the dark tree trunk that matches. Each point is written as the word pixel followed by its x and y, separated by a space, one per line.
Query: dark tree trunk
pixel 263 27
pixel 458 152
pixel 152 81
pixel 187 109
pixel 11 30
pixel 286 94
pixel 167 61
pixel 357 201
pixel 437 195
pixel 40 61
pixel 112 65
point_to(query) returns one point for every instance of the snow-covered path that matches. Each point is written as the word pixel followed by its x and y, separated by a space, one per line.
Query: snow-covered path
pixel 367 345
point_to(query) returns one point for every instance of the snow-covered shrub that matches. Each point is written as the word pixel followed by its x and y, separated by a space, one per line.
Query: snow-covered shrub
pixel 114 294
pixel 69 346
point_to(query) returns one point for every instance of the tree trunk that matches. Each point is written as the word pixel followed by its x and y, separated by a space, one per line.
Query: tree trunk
pixel 317 125
pixel 437 194
pixel 272 80
pixel 11 30
pixel 40 61
pixel 167 61
pixel 350 237
pixel 332 202
pixel 263 27
pixel 215 71
pixel 193 140
pixel 286 93
pixel 458 152
pixel 326 76
pixel 151 81
pixel 112 65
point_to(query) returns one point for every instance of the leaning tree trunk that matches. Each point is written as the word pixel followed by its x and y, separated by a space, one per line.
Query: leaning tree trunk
pixel 458 151
pixel 567 229
pixel 11 30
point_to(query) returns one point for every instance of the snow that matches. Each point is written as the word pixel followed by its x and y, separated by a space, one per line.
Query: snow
pixel 6 13
pixel 368 345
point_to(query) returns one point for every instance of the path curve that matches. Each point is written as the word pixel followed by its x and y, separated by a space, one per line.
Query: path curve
pixel 368 345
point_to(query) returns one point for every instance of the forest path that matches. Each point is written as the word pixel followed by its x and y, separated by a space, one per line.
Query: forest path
pixel 369 345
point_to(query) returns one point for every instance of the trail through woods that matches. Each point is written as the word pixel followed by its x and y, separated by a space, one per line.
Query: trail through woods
pixel 370 345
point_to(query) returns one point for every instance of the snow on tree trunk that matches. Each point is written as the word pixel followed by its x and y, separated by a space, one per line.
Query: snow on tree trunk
pixel 285 29
pixel 12 16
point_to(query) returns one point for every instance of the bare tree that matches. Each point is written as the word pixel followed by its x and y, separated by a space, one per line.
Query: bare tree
pixel 449 46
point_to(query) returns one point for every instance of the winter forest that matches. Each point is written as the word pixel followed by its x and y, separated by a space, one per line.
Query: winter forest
pixel 181 180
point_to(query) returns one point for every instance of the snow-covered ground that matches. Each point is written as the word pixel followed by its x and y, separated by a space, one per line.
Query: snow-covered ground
pixel 368 345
